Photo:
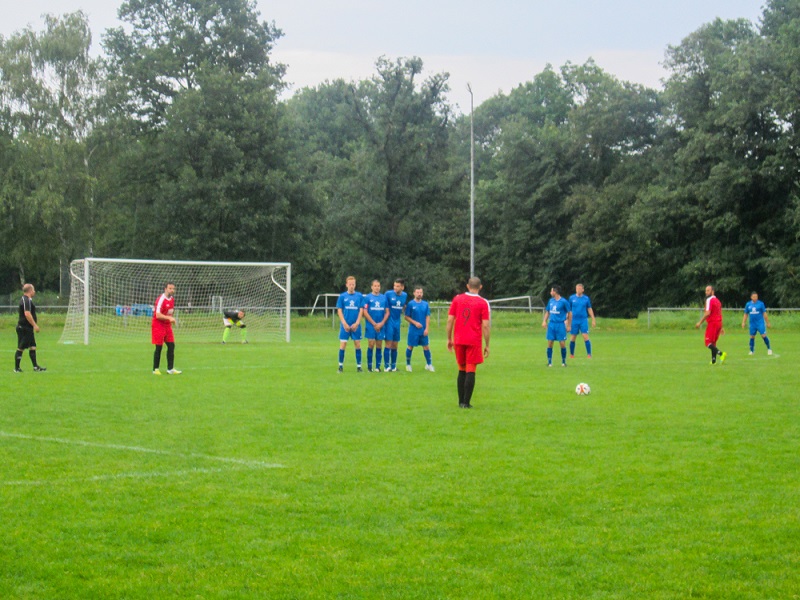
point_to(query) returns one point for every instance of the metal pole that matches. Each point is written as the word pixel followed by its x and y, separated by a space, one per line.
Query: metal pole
pixel 471 183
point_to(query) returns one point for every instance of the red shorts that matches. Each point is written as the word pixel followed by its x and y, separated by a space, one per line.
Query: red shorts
pixel 712 333
pixel 162 333
pixel 468 355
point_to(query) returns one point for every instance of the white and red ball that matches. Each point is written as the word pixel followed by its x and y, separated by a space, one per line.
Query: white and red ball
pixel 583 389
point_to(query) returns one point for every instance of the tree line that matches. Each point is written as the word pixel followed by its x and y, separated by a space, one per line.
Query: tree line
pixel 175 144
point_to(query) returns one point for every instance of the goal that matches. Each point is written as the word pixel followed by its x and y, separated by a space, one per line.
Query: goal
pixel 113 298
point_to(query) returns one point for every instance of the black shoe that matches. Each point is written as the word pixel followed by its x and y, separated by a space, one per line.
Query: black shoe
pixel 359 370
pixel 38 368
pixel 17 370
pixel 468 406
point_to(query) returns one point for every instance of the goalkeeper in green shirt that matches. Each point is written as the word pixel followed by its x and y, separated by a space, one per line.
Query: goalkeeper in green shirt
pixel 234 318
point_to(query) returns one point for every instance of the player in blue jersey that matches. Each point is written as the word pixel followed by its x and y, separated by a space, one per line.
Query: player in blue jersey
pixel 581 311
pixel 759 321
pixel 376 313
pixel 557 317
pixel 418 315
pixel 348 306
pixel 396 301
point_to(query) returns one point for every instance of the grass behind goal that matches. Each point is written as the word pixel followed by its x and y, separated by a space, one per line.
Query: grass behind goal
pixel 262 473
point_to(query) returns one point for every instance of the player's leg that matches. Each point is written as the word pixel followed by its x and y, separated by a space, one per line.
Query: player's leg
pixel 426 351
pixel 17 360
pixel 752 344
pixel 550 352
pixel 587 342
pixel 461 361
pixel 21 345
pixel 343 337
pixel 411 342
pixel 563 344
pixel 243 331
pixel 572 338
pixel 357 345
pixel 474 357
pixel 378 355
pixel 170 356
pixel 157 358
pixel 763 331
pixel 370 350
pixel 226 334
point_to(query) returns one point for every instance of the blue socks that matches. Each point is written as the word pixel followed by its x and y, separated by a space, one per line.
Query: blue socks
pixel 341 357
pixel 427 354
pixel 564 355
pixel 588 347
pixel 549 356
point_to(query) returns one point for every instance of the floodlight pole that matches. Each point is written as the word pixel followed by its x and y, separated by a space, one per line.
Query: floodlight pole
pixel 471 183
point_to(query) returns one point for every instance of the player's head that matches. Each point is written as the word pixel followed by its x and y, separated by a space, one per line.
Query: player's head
pixel 399 285
pixel 418 293
pixel 709 290
pixel 579 289
pixel 555 291
pixel 474 285
pixel 28 290
pixel 169 289
pixel 240 314
pixel 376 286
pixel 753 296
pixel 351 284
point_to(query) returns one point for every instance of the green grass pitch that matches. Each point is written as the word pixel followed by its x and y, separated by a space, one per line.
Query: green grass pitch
pixel 262 473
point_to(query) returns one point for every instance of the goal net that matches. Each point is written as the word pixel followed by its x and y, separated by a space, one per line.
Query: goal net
pixel 113 299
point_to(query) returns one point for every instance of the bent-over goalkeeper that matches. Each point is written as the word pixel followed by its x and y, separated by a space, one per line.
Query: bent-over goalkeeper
pixel 231 318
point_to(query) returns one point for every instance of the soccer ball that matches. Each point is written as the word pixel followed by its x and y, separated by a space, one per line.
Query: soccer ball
pixel 582 389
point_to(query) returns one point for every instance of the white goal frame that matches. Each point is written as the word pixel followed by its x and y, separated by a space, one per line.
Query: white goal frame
pixel 83 282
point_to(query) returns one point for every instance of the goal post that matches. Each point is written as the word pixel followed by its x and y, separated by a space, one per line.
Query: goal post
pixel 113 298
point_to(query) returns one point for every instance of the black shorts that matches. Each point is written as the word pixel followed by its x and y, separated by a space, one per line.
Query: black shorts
pixel 25 338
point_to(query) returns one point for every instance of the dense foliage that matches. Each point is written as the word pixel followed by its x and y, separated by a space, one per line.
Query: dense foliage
pixel 176 144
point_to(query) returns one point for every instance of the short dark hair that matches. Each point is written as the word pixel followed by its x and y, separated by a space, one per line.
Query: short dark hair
pixel 474 283
pixel 401 281
pixel 556 289
pixel 417 287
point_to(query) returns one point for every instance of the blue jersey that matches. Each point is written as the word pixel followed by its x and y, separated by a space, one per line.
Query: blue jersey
pixel 580 307
pixel 376 306
pixel 396 303
pixel 351 305
pixel 755 310
pixel 418 311
pixel 558 309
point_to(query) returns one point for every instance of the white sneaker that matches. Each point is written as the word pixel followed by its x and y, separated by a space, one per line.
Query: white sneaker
pixel 769 351
pixel 430 368
pixel 751 353
pixel 173 372
pixel 408 368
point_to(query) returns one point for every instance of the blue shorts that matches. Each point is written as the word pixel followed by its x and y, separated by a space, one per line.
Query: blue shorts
pixel 415 337
pixel 759 328
pixel 556 332
pixel 391 331
pixel 349 335
pixel 371 334
pixel 579 326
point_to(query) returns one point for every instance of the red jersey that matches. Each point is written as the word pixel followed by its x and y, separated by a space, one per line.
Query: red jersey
pixel 165 306
pixel 470 311
pixel 714 308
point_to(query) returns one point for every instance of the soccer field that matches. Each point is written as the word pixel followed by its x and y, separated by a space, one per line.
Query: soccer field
pixel 262 473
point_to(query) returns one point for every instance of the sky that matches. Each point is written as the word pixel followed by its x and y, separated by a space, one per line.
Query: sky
pixel 492 45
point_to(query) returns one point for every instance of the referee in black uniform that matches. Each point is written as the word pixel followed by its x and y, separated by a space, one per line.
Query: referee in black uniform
pixel 26 326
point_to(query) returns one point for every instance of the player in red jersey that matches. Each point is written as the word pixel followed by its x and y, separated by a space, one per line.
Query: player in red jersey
pixel 468 325
pixel 713 318
pixel 161 330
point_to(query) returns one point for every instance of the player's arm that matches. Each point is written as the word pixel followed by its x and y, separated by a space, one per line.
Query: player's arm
pixel 744 318
pixel 569 320
pixel 766 319
pixel 705 316
pixel 427 324
pixel 385 318
pixel 486 327
pixel 546 317
pixel 591 314
pixel 161 316
pixel 29 317
pixel 451 319
pixel 367 316
pixel 342 320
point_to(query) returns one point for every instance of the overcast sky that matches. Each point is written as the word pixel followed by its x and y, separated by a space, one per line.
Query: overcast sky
pixel 494 45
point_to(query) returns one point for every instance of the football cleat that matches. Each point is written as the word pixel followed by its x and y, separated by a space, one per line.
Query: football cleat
pixel 430 368
pixel 769 352
pixel 17 370
pixel 563 364
pixel 572 356
pixel 359 370
pixel 156 371
pixel 341 369
pixel 173 372
pixel 408 368
pixel 39 369
pixel 588 356
pixel 549 364
pixel 722 357
pixel 751 353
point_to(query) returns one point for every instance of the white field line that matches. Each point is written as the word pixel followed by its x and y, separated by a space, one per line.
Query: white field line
pixel 116 476
pixel 256 464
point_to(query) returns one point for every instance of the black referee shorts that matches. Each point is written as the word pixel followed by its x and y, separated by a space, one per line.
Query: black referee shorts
pixel 25 338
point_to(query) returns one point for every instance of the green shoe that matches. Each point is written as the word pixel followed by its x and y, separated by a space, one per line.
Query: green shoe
pixel 722 357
